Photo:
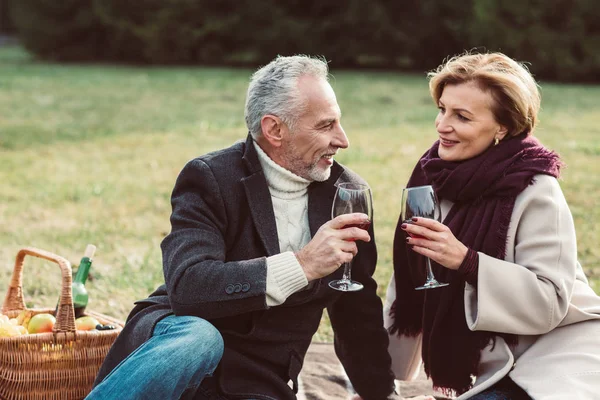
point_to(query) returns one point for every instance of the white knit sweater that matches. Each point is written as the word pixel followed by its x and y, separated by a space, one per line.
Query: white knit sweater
pixel 289 194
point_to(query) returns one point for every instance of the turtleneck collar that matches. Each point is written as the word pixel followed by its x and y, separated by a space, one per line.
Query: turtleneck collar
pixel 282 183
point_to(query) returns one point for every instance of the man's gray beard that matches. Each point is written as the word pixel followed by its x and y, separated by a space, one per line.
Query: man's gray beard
pixel 318 175
pixel 312 173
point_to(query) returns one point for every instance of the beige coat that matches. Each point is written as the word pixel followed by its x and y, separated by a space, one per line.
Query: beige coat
pixel 539 293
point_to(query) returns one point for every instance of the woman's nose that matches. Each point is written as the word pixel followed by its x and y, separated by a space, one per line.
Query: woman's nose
pixel 442 125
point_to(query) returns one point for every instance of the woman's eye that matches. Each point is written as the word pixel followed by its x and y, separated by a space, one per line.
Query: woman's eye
pixel 462 117
pixel 442 110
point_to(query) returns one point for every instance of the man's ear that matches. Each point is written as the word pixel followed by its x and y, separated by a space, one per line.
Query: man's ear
pixel 272 129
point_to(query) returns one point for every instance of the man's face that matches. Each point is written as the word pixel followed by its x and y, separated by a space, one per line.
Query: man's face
pixel 308 150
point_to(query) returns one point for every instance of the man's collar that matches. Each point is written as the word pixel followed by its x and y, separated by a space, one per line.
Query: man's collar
pixel 250 156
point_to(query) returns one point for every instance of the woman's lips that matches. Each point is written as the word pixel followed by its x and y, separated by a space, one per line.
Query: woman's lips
pixel 448 143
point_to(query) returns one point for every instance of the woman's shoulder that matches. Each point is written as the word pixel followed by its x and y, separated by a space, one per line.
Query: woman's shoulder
pixel 542 187
pixel 543 198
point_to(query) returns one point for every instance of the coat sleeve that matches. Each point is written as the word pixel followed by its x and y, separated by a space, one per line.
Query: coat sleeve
pixel 198 279
pixel 530 295
pixel 360 339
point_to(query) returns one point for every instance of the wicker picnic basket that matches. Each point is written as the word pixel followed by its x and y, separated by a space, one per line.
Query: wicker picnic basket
pixel 56 365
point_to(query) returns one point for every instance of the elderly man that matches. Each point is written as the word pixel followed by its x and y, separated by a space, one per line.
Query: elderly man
pixel 249 258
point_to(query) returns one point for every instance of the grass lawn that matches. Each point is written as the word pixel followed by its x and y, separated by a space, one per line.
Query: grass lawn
pixel 90 154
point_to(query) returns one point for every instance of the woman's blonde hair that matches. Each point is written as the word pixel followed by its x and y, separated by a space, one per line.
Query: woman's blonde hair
pixel 516 94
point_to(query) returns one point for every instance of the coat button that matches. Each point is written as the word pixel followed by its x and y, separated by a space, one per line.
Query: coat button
pixel 237 288
pixel 229 289
pixel 245 287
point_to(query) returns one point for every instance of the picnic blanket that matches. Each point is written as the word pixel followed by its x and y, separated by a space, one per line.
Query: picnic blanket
pixel 323 377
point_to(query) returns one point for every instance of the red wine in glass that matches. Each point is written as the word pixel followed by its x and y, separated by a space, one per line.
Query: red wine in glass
pixel 422 202
pixel 364 226
pixel 351 198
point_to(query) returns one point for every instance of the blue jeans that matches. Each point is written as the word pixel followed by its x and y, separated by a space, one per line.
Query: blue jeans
pixel 505 389
pixel 180 354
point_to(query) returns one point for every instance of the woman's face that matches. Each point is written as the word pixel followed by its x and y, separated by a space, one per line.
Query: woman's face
pixel 465 122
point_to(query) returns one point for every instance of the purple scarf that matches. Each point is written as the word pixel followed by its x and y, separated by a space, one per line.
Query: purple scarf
pixel 483 190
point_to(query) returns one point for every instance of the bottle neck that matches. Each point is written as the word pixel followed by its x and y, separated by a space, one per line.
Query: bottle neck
pixel 83 270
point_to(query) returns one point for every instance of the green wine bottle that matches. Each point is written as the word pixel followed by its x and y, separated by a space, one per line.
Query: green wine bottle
pixel 80 294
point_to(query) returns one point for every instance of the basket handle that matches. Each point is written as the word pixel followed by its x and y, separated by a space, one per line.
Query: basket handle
pixel 65 318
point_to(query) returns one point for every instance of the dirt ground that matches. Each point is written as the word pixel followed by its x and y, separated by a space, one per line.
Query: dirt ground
pixel 323 377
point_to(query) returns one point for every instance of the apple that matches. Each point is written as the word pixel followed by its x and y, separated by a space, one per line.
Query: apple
pixel 41 323
pixel 86 323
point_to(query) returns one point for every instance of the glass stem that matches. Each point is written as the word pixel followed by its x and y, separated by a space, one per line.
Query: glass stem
pixel 430 276
pixel 346 275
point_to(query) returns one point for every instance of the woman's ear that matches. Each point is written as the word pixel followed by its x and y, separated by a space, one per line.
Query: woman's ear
pixel 501 133
pixel 272 129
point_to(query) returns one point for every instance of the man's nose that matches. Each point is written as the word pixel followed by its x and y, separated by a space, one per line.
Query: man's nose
pixel 340 139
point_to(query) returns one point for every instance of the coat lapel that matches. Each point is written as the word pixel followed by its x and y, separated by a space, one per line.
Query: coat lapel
pixel 259 200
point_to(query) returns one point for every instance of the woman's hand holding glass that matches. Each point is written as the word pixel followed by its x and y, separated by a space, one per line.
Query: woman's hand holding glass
pixel 434 240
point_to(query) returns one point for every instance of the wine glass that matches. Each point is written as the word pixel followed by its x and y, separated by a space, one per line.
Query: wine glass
pixel 351 198
pixel 421 201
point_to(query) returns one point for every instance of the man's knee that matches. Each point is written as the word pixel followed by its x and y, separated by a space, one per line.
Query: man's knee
pixel 200 340
pixel 211 341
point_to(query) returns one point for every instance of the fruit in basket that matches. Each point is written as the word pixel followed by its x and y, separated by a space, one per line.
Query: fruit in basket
pixel 9 330
pixel 41 323
pixel 86 323
pixel 24 317
pixel 9 327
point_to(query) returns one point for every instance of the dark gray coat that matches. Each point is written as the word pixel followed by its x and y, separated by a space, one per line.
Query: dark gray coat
pixel 223 228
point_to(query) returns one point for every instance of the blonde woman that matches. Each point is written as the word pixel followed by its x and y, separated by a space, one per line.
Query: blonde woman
pixel 518 319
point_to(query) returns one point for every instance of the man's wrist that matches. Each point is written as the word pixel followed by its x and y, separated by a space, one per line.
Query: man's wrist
pixel 303 263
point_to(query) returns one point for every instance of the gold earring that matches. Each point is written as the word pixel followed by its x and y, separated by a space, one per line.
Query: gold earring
pixel 496 141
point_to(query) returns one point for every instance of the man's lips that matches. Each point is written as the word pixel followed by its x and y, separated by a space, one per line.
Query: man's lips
pixel 328 158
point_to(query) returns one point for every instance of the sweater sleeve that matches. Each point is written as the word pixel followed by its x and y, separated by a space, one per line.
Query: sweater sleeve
pixel 285 276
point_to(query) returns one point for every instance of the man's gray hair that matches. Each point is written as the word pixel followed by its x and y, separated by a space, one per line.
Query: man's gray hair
pixel 273 90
